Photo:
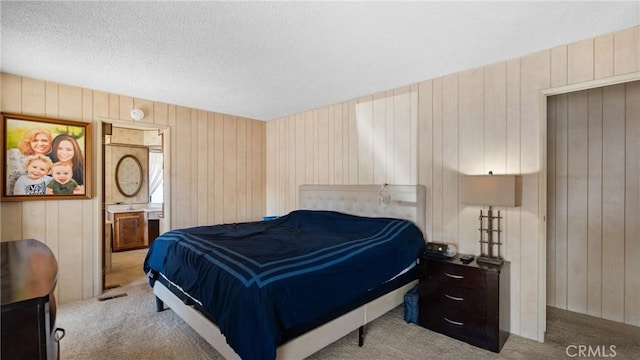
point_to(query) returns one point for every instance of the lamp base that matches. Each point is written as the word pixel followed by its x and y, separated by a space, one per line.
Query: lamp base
pixel 489 260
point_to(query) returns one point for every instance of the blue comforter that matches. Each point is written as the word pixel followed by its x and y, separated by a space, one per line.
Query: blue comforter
pixel 258 279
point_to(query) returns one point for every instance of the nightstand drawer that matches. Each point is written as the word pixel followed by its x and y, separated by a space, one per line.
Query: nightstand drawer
pixel 461 325
pixel 456 275
pixel 436 293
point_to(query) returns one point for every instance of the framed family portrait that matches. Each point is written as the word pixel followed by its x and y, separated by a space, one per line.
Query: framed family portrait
pixel 45 159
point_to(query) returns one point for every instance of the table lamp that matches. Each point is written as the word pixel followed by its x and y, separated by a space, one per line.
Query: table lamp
pixel 491 190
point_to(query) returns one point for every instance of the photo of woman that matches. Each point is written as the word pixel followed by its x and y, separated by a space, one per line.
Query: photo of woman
pixel 35 141
pixel 66 148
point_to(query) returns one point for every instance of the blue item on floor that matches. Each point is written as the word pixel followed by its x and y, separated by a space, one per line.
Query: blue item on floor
pixel 411 305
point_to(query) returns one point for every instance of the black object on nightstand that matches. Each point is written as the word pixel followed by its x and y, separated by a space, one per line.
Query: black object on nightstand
pixel 469 302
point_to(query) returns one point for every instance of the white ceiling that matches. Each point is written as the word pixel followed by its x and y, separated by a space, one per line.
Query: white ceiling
pixel 265 60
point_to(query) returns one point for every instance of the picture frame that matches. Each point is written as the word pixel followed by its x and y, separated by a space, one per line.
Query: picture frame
pixel 45 159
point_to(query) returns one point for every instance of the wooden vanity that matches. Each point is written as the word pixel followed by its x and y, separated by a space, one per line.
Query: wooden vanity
pixel 129 231
pixel 134 229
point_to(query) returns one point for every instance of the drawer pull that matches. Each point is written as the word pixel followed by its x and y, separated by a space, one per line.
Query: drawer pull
pixel 453 322
pixel 454 297
pixel 454 276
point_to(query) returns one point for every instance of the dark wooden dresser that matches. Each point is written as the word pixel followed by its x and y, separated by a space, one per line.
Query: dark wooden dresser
pixel 469 302
pixel 28 311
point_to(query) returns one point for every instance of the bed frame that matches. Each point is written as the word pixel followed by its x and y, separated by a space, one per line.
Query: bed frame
pixel 399 201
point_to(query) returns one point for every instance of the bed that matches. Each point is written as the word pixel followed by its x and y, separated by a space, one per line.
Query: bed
pixel 315 275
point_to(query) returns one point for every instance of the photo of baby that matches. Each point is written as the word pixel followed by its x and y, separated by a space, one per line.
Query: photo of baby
pixel 63 182
pixel 35 181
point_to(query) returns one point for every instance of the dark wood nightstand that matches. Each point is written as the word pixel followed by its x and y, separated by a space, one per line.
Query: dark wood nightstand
pixel 469 302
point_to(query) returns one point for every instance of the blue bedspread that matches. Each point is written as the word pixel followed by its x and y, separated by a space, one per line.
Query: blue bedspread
pixel 259 279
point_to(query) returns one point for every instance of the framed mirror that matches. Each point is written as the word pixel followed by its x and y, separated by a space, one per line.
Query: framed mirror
pixel 129 175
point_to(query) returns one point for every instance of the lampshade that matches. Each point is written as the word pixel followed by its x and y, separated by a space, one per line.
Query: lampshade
pixel 492 190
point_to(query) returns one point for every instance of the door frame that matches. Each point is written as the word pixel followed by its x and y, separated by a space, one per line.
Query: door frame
pixel 542 181
pixel 165 222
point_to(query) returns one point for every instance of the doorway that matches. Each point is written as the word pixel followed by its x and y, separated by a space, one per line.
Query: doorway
pixel 591 197
pixel 134 197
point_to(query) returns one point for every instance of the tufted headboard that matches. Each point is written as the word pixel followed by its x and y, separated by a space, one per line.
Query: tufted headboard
pixel 397 201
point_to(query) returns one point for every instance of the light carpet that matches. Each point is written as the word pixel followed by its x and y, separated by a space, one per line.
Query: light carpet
pixel 128 327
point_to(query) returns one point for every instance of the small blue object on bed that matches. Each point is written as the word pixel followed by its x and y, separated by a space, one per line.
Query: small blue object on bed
pixel 258 280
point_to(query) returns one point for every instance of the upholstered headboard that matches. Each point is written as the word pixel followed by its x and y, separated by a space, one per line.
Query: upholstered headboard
pixel 397 201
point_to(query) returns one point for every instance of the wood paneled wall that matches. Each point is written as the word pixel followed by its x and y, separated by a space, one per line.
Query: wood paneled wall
pixel 593 233
pixel 217 174
pixel 490 118
pixel 371 140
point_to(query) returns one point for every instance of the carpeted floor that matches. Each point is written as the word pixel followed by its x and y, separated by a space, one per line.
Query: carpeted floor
pixel 128 327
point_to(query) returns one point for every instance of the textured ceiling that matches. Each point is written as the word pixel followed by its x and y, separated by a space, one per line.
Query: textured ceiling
pixel 265 60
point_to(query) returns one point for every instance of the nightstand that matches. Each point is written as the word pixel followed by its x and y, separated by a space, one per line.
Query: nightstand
pixel 469 302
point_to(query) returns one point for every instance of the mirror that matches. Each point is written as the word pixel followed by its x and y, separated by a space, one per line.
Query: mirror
pixel 129 175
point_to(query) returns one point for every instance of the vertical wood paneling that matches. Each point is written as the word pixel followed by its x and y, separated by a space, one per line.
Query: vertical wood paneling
pixel 578 132
pixel 425 150
pixel 316 148
pixel 594 206
pixel 11 93
pixel 338 150
pixel 114 106
pixel 195 181
pixel 494 104
pixel 323 147
pixel 403 134
pixel 472 139
pixel 201 141
pixel 535 75
pixel 51 100
pixel 211 164
pixel 183 167
pixel 309 147
pixel 173 173
pixel 413 133
pixel 331 146
pixel 613 146
pixel 626 51
pixel 354 139
pixel 632 206
pixel 390 139
pixel 364 126
pixel 300 159
pixel 345 142
pixel 230 170
pixel 438 161
pixel 603 56
pixel 512 230
pixel 258 165
pixel 379 138
pixel 33 96
pixel 580 62
pixel 241 169
pixel 559 66
pixel 125 104
pixel 450 158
